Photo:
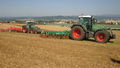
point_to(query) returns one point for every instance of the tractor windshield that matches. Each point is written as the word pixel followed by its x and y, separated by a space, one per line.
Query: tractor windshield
pixel 85 20
pixel 30 23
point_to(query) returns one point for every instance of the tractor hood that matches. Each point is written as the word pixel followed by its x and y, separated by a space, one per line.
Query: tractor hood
pixel 97 27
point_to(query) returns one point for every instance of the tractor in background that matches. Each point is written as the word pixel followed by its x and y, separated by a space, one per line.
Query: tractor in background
pixel 30 28
pixel 87 28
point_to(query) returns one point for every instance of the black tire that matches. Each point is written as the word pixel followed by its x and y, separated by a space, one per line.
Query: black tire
pixel 102 36
pixel 77 33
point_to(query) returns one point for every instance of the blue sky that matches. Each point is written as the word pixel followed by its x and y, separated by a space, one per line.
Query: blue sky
pixel 58 7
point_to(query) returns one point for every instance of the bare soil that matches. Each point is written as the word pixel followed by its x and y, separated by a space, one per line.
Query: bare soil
pixel 22 50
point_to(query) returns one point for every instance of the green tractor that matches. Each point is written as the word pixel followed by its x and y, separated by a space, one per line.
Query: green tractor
pixel 30 28
pixel 87 28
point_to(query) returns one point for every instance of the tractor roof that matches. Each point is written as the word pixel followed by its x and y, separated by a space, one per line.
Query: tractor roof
pixel 86 16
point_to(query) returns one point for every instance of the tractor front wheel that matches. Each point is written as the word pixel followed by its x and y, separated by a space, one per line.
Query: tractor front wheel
pixel 77 33
pixel 31 31
pixel 102 36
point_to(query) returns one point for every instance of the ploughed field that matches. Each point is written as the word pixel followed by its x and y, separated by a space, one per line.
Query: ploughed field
pixel 22 50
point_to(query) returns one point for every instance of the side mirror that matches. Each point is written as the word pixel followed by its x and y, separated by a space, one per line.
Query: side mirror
pixel 94 21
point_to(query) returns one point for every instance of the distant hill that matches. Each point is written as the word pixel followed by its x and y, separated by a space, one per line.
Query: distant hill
pixel 48 18
pixel 102 17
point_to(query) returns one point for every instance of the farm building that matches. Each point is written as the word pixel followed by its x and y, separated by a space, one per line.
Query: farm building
pixel 112 22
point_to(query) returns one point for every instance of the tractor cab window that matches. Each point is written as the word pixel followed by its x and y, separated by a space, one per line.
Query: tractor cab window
pixel 86 21
pixel 30 23
pixel 81 20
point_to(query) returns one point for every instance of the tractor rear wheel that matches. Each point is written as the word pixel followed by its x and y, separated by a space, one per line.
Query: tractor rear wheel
pixel 102 36
pixel 77 33
pixel 24 30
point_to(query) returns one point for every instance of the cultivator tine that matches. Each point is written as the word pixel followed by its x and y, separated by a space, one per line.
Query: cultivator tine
pixel 64 36
pixel 44 35
pixel 54 36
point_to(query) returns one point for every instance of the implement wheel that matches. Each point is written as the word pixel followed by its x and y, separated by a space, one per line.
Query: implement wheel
pixel 102 36
pixel 77 33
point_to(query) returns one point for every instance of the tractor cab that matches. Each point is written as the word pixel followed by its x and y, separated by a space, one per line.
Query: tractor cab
pixel 87 21
pixel 30 23
pixel 30 28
